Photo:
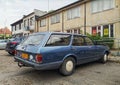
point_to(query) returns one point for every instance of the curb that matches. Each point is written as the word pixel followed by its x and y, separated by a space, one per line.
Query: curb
pixel 115 59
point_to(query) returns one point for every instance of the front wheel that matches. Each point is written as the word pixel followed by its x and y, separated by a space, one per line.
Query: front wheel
pixel 68 66
pixel 104 59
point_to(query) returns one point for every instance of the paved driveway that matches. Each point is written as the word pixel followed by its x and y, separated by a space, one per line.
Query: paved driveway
pixel 88 74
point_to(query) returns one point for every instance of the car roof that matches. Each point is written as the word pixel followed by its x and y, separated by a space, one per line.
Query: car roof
pixel 49 33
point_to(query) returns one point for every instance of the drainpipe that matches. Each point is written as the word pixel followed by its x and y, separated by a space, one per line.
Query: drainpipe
pixel 85 18
pixel 48 24
pixel 63 21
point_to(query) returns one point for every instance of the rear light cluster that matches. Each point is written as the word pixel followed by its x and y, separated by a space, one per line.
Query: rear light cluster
pixel 38 58
pixel 34 58
pixel 13 42
pixel 15 52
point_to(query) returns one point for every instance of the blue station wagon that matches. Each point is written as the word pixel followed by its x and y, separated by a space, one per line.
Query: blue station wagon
pixel 63 51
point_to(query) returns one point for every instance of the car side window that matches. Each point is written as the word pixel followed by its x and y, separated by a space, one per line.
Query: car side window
pixel 88 41
pixel 59 40
pixel 78 41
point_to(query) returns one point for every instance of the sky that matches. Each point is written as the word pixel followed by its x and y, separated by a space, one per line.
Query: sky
pixel 13 10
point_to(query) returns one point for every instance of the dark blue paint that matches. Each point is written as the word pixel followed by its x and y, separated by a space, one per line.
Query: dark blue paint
pixel 54 56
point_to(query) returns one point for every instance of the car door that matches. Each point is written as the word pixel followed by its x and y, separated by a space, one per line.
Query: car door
pixel 91 49
pixel 79 48
pixel 84 49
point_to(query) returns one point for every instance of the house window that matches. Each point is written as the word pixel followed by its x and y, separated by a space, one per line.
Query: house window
pixel 68 31
pixel 76 31
pixel 43 22
pixel 25 23
pixel 94 31
pixel 55 18
pixel 99 31
pixel 101 5
pixel 31 21
pixel 20 26
pixel 73 13
pixel 13 28
pixel 17 27
pixel 105 30
pixel 28 22
pixel 111 30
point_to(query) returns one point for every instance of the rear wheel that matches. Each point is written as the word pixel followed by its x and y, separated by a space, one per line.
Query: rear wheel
pixel 68 66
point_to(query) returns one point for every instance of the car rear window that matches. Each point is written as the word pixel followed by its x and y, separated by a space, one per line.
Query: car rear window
pixel 33 40
pixel 58 40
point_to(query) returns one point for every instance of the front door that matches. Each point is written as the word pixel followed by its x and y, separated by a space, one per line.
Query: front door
pixel 83 48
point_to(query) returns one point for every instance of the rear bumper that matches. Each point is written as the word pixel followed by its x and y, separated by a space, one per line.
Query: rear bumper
pixel 47 66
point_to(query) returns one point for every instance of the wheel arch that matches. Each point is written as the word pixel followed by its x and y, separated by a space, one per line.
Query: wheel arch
pixel 106 52
pixel 71 55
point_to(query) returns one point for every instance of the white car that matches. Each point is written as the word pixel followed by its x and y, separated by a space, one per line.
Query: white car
pixel 3 44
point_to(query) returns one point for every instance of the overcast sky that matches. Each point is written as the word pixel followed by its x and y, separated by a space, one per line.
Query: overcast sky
pixel 13 10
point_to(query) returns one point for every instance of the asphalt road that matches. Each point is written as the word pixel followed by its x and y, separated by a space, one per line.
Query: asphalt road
pixel 93 73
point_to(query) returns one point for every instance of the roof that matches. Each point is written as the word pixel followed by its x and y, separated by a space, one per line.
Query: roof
pixel 32 13
pixel 18 21
pixel 64 8
pixel 29 14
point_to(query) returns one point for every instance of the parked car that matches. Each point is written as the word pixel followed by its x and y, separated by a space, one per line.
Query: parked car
pixel 12 43
pixel 61 51
pixel 3 44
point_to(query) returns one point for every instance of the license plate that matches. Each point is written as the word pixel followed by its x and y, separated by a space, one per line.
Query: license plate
pixel 25 56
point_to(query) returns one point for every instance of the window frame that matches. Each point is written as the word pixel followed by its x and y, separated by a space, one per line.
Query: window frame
pixel 75 40
pixel 31 21
pixel 101 5
pixel 58 45
pixel 55 18
pixel 73 13
pixel 86 42
pixel 43 22
pixel 111 29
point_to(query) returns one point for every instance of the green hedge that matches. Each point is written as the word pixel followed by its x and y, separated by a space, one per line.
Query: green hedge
pixel 102 40
pixel 6 37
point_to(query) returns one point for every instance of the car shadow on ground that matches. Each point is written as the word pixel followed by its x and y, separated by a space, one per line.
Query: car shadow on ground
pixel 49 74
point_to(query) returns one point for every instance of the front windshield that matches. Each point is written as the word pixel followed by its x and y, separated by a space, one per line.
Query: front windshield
pixel 33 40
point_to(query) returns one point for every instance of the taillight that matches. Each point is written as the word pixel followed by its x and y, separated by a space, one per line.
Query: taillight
pixel 15 52
pixel 38 58
pixel 13 42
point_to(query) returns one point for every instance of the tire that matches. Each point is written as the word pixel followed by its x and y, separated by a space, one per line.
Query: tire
pixel 104 59
pixel 11 53
pixel 68 66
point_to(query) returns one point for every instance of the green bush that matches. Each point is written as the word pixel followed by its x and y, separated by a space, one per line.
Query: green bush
pixel 108 41
pixel 102 40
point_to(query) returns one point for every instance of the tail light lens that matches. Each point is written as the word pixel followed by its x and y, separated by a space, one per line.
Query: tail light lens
pixel 15 52
pixel 13 42
pixel 38 58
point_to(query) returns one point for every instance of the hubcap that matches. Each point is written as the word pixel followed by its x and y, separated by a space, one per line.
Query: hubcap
pixel 69 66
pixel 105 57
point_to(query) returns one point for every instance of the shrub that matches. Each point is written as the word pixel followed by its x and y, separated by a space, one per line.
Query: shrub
pixel 102 40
